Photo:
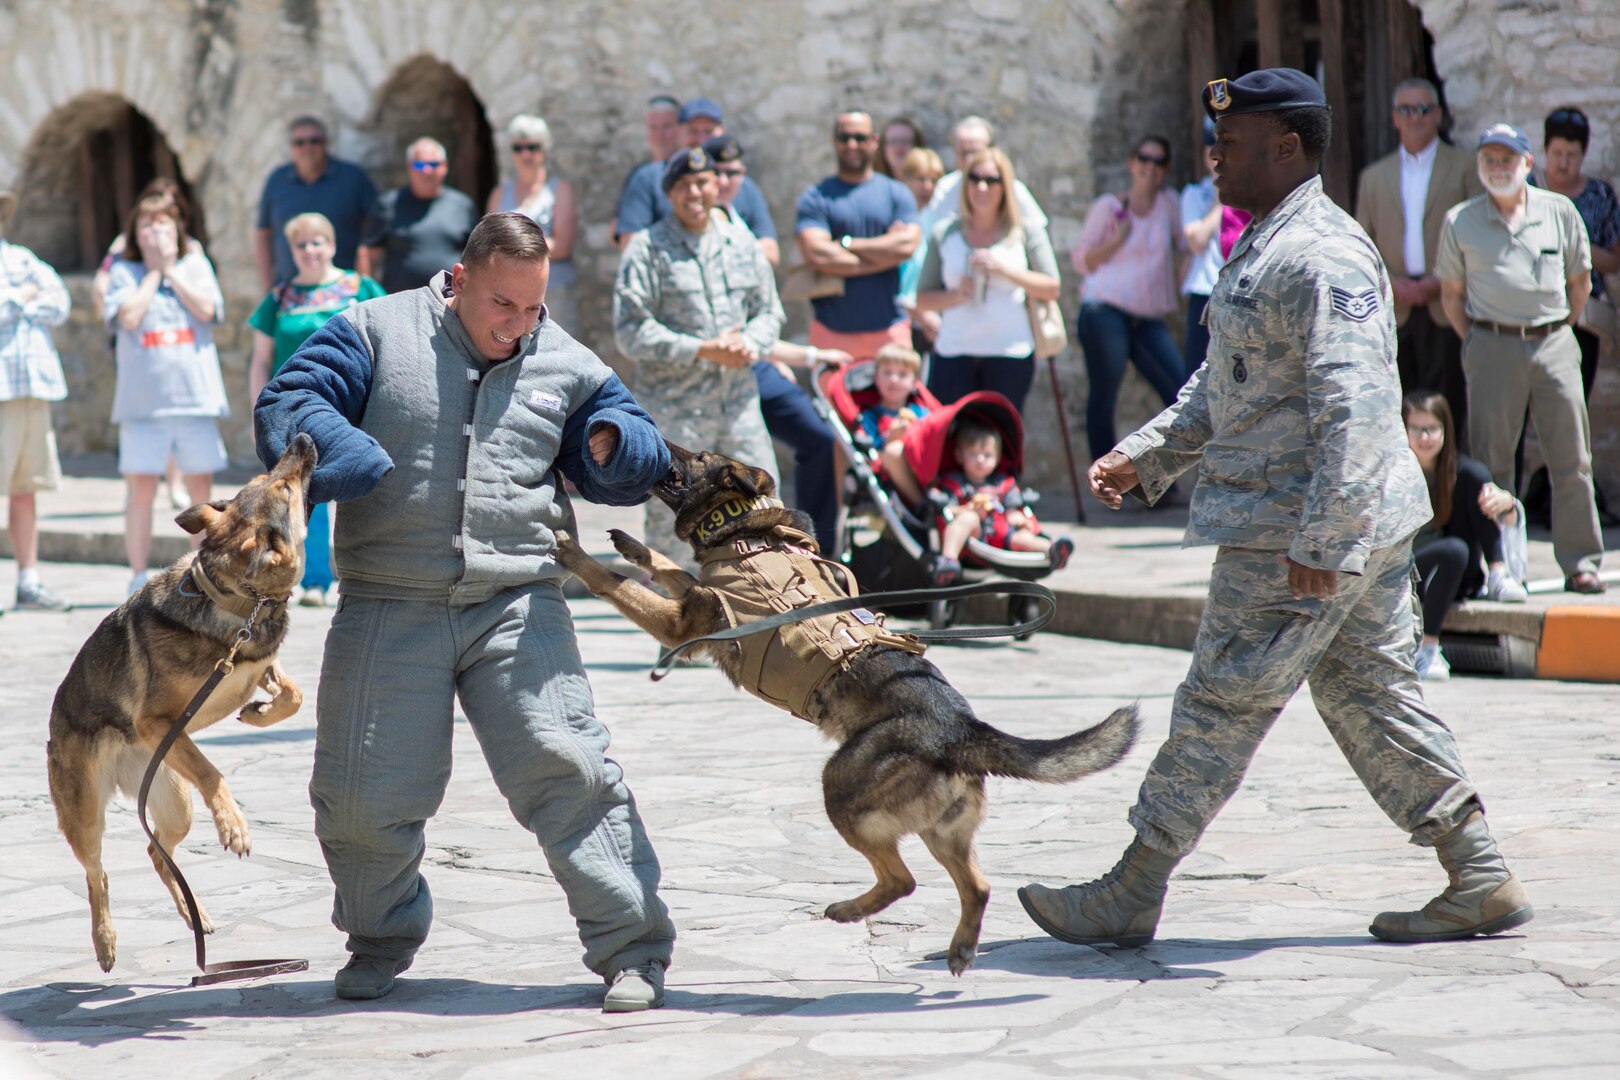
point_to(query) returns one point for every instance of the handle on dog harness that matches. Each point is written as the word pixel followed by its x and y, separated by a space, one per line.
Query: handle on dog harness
pixel 229 970
pixel 894 598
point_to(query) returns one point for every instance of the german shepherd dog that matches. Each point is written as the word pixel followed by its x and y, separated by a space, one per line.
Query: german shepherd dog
pixel 144 663
pixel 912 756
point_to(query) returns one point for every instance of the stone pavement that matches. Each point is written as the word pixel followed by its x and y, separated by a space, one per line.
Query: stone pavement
pixel 1263 968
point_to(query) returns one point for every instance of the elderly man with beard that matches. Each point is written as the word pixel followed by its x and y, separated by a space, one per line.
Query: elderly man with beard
pixel 1515 269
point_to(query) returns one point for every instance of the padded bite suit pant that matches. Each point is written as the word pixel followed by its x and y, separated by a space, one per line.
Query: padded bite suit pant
pixel 391 674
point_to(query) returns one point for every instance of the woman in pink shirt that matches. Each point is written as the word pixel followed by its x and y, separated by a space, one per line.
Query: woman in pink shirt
pixel 1127 252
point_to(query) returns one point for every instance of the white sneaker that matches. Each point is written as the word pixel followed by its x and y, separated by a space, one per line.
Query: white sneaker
pixel 138 582
pixel 314 596
pixel 1431 664
pixel 1504 588
pixel 636 988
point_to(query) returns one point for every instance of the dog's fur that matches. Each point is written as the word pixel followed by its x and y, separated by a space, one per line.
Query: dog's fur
pixel 143 664
pixel 912 756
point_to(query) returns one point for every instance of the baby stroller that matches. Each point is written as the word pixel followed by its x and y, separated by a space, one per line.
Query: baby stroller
pixel 907 543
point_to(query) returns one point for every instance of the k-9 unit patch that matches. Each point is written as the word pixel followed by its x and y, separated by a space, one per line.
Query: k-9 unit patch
pixel 1358 307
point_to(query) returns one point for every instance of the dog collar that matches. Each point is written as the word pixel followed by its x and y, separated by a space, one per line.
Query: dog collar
pixel 729 511
pixel 235 603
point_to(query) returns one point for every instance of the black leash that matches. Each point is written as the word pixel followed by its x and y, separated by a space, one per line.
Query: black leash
pixel 232 969
pixel 894 598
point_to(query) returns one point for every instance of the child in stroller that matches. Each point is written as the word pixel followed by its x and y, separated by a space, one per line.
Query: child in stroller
pixel 977 499
pixel 895 371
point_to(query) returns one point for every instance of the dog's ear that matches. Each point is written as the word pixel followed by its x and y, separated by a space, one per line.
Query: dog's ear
pixel 743 482
pixel 199 517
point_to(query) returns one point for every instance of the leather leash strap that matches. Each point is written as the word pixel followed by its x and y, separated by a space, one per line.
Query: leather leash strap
pixel 232 969
pixel 894 598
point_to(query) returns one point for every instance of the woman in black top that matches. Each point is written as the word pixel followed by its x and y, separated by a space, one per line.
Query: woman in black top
pixel 1465 532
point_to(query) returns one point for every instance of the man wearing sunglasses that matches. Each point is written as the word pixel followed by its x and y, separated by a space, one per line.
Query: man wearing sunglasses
pixel 419 228
pixel 1402 201
pixel 860 226
pixel 311 182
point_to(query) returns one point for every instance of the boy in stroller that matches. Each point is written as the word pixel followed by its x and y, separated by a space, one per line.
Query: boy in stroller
pixel 895 373
pixel 979 500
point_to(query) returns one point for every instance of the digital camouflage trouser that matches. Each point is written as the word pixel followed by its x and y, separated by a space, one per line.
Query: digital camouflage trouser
pixel 1256 645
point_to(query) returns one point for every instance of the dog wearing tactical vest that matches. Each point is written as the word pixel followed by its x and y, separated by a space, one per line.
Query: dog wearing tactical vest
pixel 912 756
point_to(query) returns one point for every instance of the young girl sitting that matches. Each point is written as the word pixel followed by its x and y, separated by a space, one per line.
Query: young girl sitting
pixel 896 369
pixel 1465 532
pixel 988 504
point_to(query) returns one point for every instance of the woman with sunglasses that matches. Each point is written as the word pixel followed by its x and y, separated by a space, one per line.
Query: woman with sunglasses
pixel 1127 252
pixel 981 267
pixel 547 201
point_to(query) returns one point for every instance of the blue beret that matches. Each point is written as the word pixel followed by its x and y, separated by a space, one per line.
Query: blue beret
pixel 1504 135
pixel 682 162
pixel 723 148
pixel 1267 90
pixel 701 106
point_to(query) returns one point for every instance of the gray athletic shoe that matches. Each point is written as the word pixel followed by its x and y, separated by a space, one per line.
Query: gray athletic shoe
pixel 37 597
pixel 365 978
pixel 636 988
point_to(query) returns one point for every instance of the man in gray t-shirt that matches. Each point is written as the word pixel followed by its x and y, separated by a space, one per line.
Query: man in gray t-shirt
pixel 420 229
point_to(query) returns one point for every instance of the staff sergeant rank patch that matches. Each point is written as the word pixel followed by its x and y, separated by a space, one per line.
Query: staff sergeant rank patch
pixel 1358 307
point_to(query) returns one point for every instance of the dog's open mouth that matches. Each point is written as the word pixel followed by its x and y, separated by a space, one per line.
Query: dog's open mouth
pixel 672 488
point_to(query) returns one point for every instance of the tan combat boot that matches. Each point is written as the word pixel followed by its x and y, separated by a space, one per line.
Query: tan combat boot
pixel 1120 908
pixel 1483 897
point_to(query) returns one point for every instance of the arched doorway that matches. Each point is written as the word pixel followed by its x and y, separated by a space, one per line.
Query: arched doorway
pixel 1359 49
pixel 84 167
pixel 425 96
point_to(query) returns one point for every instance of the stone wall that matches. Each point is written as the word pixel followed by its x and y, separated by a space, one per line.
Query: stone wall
pixel 1517 60
pixel 1070 83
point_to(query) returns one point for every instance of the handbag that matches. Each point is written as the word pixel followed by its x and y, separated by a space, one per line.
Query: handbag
pixel 805 282
pixel 1046 324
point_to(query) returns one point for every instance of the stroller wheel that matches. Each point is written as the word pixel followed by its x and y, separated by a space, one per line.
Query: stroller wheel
pixel 941 613
pixel 1022 609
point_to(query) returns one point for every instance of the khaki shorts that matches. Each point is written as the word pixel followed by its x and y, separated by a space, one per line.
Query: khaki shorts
pixel 27 448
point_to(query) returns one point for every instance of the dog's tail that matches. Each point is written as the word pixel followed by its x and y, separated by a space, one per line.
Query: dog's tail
pixel 1054 761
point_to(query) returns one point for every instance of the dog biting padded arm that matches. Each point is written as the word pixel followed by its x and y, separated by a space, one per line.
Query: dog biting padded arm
pixel 322 391
pixel 639 460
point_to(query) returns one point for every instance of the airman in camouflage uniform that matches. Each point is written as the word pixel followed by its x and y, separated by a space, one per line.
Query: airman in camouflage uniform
pixel 1310 491
pixel 697 306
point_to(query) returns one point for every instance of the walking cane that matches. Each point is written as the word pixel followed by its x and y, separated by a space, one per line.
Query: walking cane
pixel 1068 446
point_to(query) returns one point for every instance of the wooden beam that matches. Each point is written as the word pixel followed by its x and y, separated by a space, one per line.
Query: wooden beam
pixel 1203 66
pixel 1336 178
pixel 1268 16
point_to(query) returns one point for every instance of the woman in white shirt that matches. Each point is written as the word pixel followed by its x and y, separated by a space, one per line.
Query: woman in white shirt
pixel 981 268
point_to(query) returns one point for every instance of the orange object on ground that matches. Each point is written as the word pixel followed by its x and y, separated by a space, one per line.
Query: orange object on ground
pixel 1580 642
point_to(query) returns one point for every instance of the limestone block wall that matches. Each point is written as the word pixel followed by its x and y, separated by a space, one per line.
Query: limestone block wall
pixel 1069 82
pixel 1516 61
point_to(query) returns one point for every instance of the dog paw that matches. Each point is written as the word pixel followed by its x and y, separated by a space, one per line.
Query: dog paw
pixel 634 551
pixel 845 911
pixel 961 957
pixel 106 941
pixel 202 916
pixel 569 553
pixel 233 831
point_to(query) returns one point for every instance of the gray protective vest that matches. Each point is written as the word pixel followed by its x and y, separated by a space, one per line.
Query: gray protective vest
pixel 471 504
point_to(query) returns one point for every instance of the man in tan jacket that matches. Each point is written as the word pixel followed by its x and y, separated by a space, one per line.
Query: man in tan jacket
pixel 1402 201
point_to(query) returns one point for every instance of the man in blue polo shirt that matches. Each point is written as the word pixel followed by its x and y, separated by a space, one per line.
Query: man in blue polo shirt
pixel 311 182
pixel 860 226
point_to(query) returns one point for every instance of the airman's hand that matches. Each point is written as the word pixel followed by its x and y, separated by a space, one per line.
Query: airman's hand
pixel 1310 581
pixel 1111 476
pixel 604 440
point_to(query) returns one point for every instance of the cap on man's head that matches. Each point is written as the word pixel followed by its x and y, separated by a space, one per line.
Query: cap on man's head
pixel 1504 135
pixel 701 106
pixel 684 162
pixel 1267 90
pixel 723 148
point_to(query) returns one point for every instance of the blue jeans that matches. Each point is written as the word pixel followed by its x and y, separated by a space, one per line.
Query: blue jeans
pixel 952 378
pixel 1197 339
pixel 318 549
pixel 1109 337
pixel 791 416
